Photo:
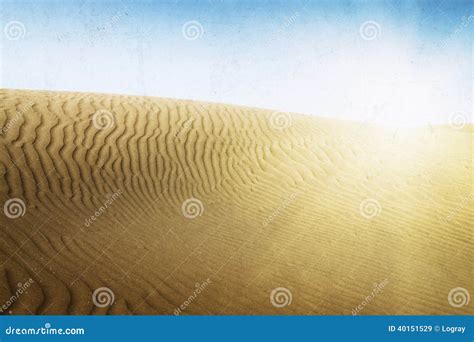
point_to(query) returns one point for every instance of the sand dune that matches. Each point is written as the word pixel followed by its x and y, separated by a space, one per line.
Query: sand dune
pixel 145 205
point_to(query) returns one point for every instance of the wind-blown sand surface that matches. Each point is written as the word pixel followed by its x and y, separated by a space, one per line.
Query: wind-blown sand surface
pixel 239 201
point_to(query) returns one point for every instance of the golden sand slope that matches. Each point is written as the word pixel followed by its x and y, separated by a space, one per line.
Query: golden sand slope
pixel 341 215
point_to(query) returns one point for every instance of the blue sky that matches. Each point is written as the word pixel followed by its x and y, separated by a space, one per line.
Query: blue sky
pixel 401 62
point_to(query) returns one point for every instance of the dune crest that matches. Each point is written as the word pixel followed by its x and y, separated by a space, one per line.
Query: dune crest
pixel 138 205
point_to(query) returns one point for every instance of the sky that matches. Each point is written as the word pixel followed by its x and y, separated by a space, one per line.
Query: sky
pixel 388 61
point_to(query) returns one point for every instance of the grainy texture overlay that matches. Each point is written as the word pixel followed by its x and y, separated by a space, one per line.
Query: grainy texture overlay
pixel 138 205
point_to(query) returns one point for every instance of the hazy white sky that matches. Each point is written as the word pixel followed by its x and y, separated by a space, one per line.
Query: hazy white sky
pixel 389 62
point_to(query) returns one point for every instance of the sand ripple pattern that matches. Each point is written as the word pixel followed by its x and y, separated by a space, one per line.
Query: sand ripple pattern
pixel 178 190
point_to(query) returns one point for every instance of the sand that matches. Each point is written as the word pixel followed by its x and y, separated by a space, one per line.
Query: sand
pixel 142 205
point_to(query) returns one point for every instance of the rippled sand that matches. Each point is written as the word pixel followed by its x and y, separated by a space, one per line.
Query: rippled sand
pixel 219 209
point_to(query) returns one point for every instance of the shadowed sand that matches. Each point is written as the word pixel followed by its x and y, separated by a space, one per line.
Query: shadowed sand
pixel 211 207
